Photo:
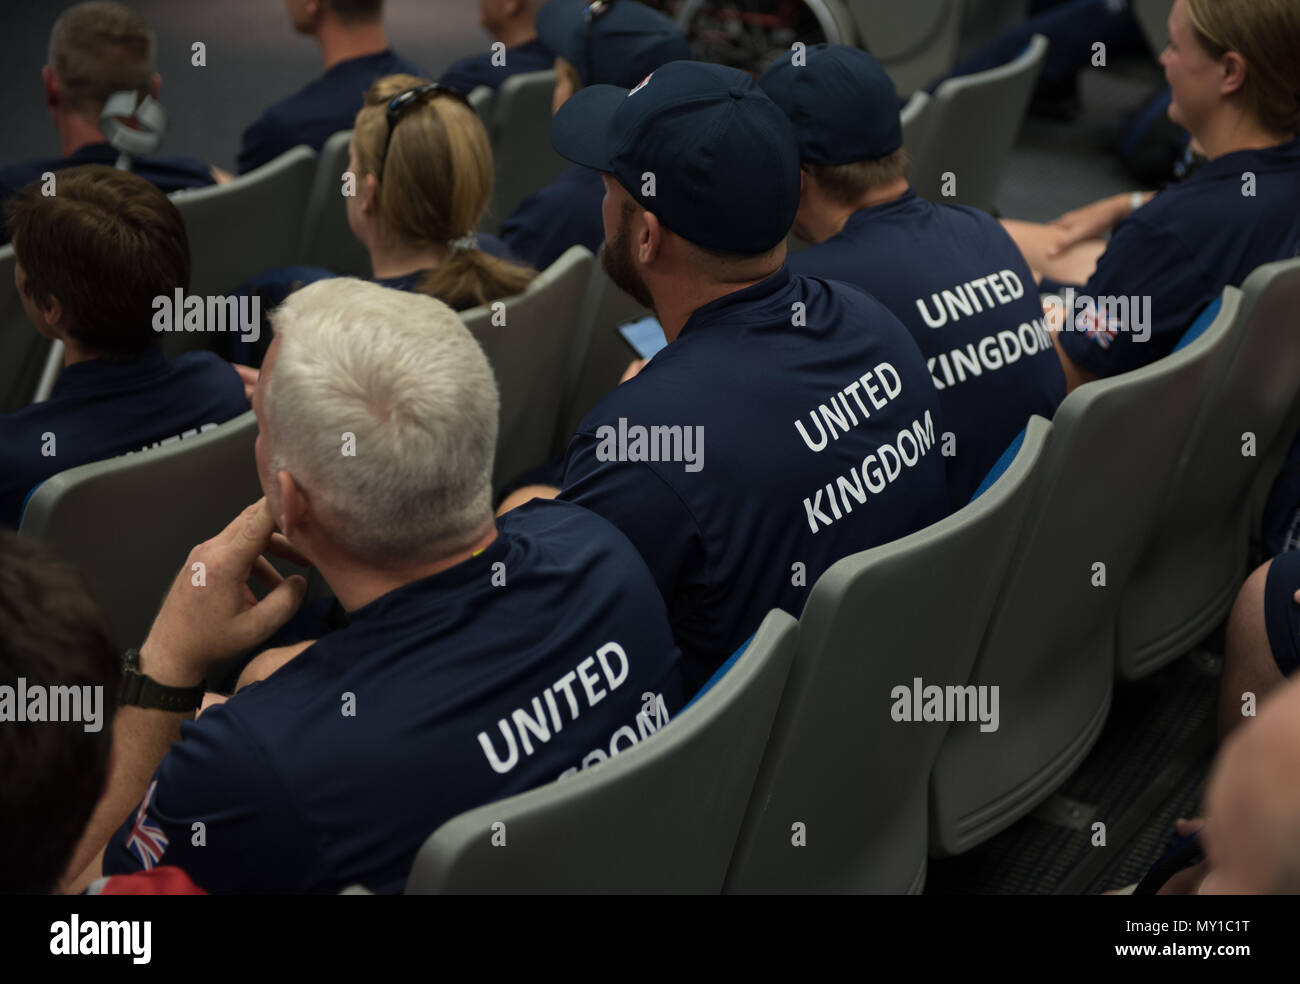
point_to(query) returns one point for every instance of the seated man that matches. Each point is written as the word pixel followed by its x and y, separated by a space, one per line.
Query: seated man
pixel 356 53
pixel 96 50
pixel 480 659
pixel 951 274
pixel 91 260
pixel 1235 80
pixel 58 649
pixel 1263 643
pixel 625 42
pixel 513 25
pixel 814 406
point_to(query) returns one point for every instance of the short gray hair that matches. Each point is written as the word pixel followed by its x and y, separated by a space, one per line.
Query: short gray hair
pixel 401 373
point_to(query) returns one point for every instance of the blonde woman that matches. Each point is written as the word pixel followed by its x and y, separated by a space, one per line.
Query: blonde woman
pixel 1234 69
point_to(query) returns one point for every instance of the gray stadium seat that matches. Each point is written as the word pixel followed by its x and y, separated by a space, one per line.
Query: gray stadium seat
pixel 50 372
pixel 327 240
pixel 244 228
pixel 482 100
pixel 1153 17
pixel 521 143
pixel 916 118
pixel 531 351
pixel 836 760
pixel 129 522
pixel 660 817
pixel 916 42
pixel 1196 554
pixel 975 120
pixel 1051 642
pixel 23 350
pixel 600 355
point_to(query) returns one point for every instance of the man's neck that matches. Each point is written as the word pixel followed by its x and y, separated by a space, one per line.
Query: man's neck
pixel 834 219
pixel 675 308
pixel 339 43
pixel 514 35
pixel 357 585
pixel 76 132
pixel 74 353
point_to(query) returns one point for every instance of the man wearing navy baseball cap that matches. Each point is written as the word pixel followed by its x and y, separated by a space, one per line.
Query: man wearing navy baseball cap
pixel 951 274
pixel 607 42
pixel 789 422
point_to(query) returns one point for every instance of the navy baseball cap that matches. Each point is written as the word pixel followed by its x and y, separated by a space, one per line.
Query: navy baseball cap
pixel 698 145
pixel 843 106
pixel 627 40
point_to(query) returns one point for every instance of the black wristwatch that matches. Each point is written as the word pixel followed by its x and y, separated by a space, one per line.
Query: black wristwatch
pixel 140 690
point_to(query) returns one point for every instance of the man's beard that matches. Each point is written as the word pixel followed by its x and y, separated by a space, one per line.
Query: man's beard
pixel 617 261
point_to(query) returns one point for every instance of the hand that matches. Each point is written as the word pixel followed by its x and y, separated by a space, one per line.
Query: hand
pixel 1090 222
pixel 633 367
pixel 202 624
pixel 249 375
pixel 1186 827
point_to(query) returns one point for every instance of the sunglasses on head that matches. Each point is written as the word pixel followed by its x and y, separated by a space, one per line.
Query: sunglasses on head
pixel 594 10
pixel 403 101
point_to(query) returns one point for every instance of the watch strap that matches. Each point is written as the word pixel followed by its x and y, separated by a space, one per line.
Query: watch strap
pixel 141 690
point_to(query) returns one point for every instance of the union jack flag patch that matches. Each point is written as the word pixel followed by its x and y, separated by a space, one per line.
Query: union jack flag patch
pixel 147 841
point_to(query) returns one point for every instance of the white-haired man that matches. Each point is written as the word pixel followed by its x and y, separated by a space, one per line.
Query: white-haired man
pixel 482 657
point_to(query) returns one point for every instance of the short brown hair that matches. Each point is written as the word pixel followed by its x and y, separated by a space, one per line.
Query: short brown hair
pixel 848 184
pixel 52 634
pixel 1266 33
pixel 99 48
pixel 435 188
pixel 105 244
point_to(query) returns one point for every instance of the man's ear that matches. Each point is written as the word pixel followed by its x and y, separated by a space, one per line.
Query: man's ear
pixel 370 195
pixel 295 505
pixel 51 315
pixel 1234 69
pixel 649 237
pixel 51 83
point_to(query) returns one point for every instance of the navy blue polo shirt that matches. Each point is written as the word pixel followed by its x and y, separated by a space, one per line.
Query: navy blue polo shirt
pixel 320 109
pixel 440 696
pixel 168 173
pixel 565 213
pixel 957 281
pixel 469 73
pixel 101 409
pixel 790 424
pixel 1181 249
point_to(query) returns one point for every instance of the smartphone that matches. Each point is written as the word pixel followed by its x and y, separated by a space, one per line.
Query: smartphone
pixel 646 336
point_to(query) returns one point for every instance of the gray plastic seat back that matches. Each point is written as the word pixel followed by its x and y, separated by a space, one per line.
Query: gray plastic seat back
pixel 975 122
pixel 1196 556
pixel 660 816
pixel 521 143
pixel 601 355
pixel 130 522
pixel 1050 647
pixel 1153 18
pixel 916 118
pixel 327 240
pixel 837 761
pixel 529 339
pixel 23 349
pixel 240 229
pixel 482 99
pixel 916 42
